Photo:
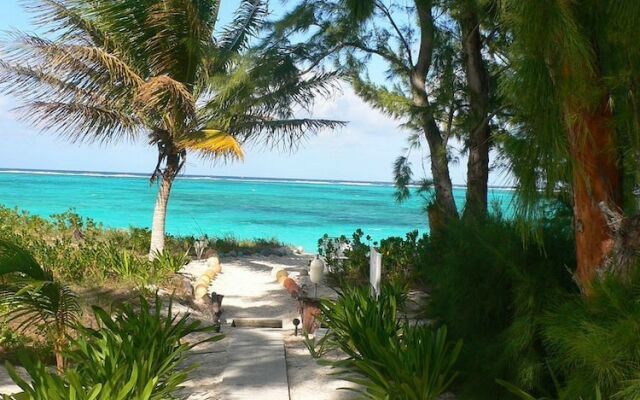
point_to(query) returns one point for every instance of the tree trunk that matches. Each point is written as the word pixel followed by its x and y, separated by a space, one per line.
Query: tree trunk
pixel 444 208
pixel 480 132
pixel 160 210
pixel 596 179
pixel 444 199
pixel 58 348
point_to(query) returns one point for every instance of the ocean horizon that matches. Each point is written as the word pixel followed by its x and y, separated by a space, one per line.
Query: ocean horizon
pixel 295 211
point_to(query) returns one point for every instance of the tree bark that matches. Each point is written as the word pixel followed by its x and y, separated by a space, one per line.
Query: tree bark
pixel 596 179
pixel 444 198
pixel 445 206
pixel 160 209
pixel 480 131
pixel 58 348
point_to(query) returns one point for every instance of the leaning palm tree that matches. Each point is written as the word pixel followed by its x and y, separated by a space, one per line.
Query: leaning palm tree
pixel 122 69
pixel 34 299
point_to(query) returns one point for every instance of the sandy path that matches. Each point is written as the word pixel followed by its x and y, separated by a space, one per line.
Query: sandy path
pixel 251 292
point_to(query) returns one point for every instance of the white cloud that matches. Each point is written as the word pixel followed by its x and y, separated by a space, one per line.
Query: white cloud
pixel 5 109
pixel 362 150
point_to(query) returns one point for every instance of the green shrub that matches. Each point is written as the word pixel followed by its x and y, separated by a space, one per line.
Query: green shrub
pixel 167 261
pixel 390 359
pixel 595 341
pixel 400 258
pixel 134 355
pixel 78 250
pixel 46 385
pixel 139 239
pixel 356 315
pixel 117 262
pixel 491 289
pixel 353 267
pixel 596 394
pixel 229 244
pixel 14 343
pixel 34 299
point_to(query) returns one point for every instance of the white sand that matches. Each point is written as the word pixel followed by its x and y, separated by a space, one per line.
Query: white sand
pixel 310 380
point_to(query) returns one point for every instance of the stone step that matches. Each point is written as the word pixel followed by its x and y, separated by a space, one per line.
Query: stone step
pixel 256 367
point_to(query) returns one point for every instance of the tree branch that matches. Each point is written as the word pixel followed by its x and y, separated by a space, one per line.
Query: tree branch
pixel 403 40
pixel 426 37
pixel 320 58
pixel 389 57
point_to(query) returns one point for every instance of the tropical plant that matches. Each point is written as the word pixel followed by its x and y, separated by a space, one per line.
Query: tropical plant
pixel 348 259
pixel 573 87
pixel 318 347
pixel 390 359
pixel 136 354
pixel 168 261
pixel 230 244
pixel 122 263
pixel 149 342
pixel 35 300
pixel 416 365
pixel 354 310
pixel 46 385
pixel 118 70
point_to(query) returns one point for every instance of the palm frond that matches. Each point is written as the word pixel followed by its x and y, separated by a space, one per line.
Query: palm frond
pixel 71 60
pixel 212 143
pixel 14 258
pixel 293 90
pixel 245 25
pixel 35 82
pixel 30 294
pixel 32 303
pixel 88 90
pixel 81 122
pixel 71 22
pixel 280 133
pixel 162 95
pixel 182 37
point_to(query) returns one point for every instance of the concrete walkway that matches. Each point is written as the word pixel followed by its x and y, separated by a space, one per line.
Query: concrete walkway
pixel 256 367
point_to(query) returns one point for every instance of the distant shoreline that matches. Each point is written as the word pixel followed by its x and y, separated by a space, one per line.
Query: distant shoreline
pixel 136 175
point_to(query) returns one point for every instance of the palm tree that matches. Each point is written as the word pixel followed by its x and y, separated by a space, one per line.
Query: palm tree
pixel 33 298
pixel 117 70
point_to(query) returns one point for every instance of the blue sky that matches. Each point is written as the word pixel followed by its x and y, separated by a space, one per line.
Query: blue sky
pixel 363 150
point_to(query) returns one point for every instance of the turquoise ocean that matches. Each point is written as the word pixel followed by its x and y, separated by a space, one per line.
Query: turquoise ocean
pixel 297 212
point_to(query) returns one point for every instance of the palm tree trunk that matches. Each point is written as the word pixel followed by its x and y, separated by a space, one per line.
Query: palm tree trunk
pixel 60 341
pixel 160 209
pixel 58 348
pixel 596 178
pixel 480 133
